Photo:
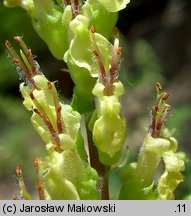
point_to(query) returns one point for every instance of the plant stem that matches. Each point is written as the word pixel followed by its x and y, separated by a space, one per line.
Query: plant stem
pixel 99 167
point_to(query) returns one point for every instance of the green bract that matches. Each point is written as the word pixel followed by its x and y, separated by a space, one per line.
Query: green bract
pixel 152 150
pixel 132 188
pixel 78 182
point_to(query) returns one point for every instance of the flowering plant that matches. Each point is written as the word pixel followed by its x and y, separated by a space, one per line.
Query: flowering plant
pixel 78 33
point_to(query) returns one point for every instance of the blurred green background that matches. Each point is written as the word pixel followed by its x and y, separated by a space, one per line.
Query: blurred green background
pixel 156 41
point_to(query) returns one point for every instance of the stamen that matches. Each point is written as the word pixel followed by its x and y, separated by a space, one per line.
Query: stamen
pixel 116 31
pixel 11 50
pixel 165 96
pixel 21 63
pixel 116 53
pixel 57 108
pixel 27 53
pixel 19 172
pixel 15 61
pixel 76 9
pixel 101 67
pixel 40 111
pixel 67 2
pixel 159 112
pixel 159 87
pixel 23 189
pixel 59 121
pixel 169 108
pixel 116 40
pixel 119 50
pixel 35 163
pixel 159 104
pixel 51 128
pixel 161 121
pixel 8 44
pixel 40 186
pixel 32 96
pixel 156 109
pixel 153 121
pixel 92 29
pixel 17 39
pixel 49 84
pixel 41 190
pixel 107 79
pixel 115 64
pixel 16 197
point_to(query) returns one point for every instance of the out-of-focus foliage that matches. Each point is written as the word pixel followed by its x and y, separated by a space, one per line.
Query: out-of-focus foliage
pixel 19 143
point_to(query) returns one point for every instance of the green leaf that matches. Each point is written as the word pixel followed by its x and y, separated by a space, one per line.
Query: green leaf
pixel 149 157
pixel 132 188
pixel 69 177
